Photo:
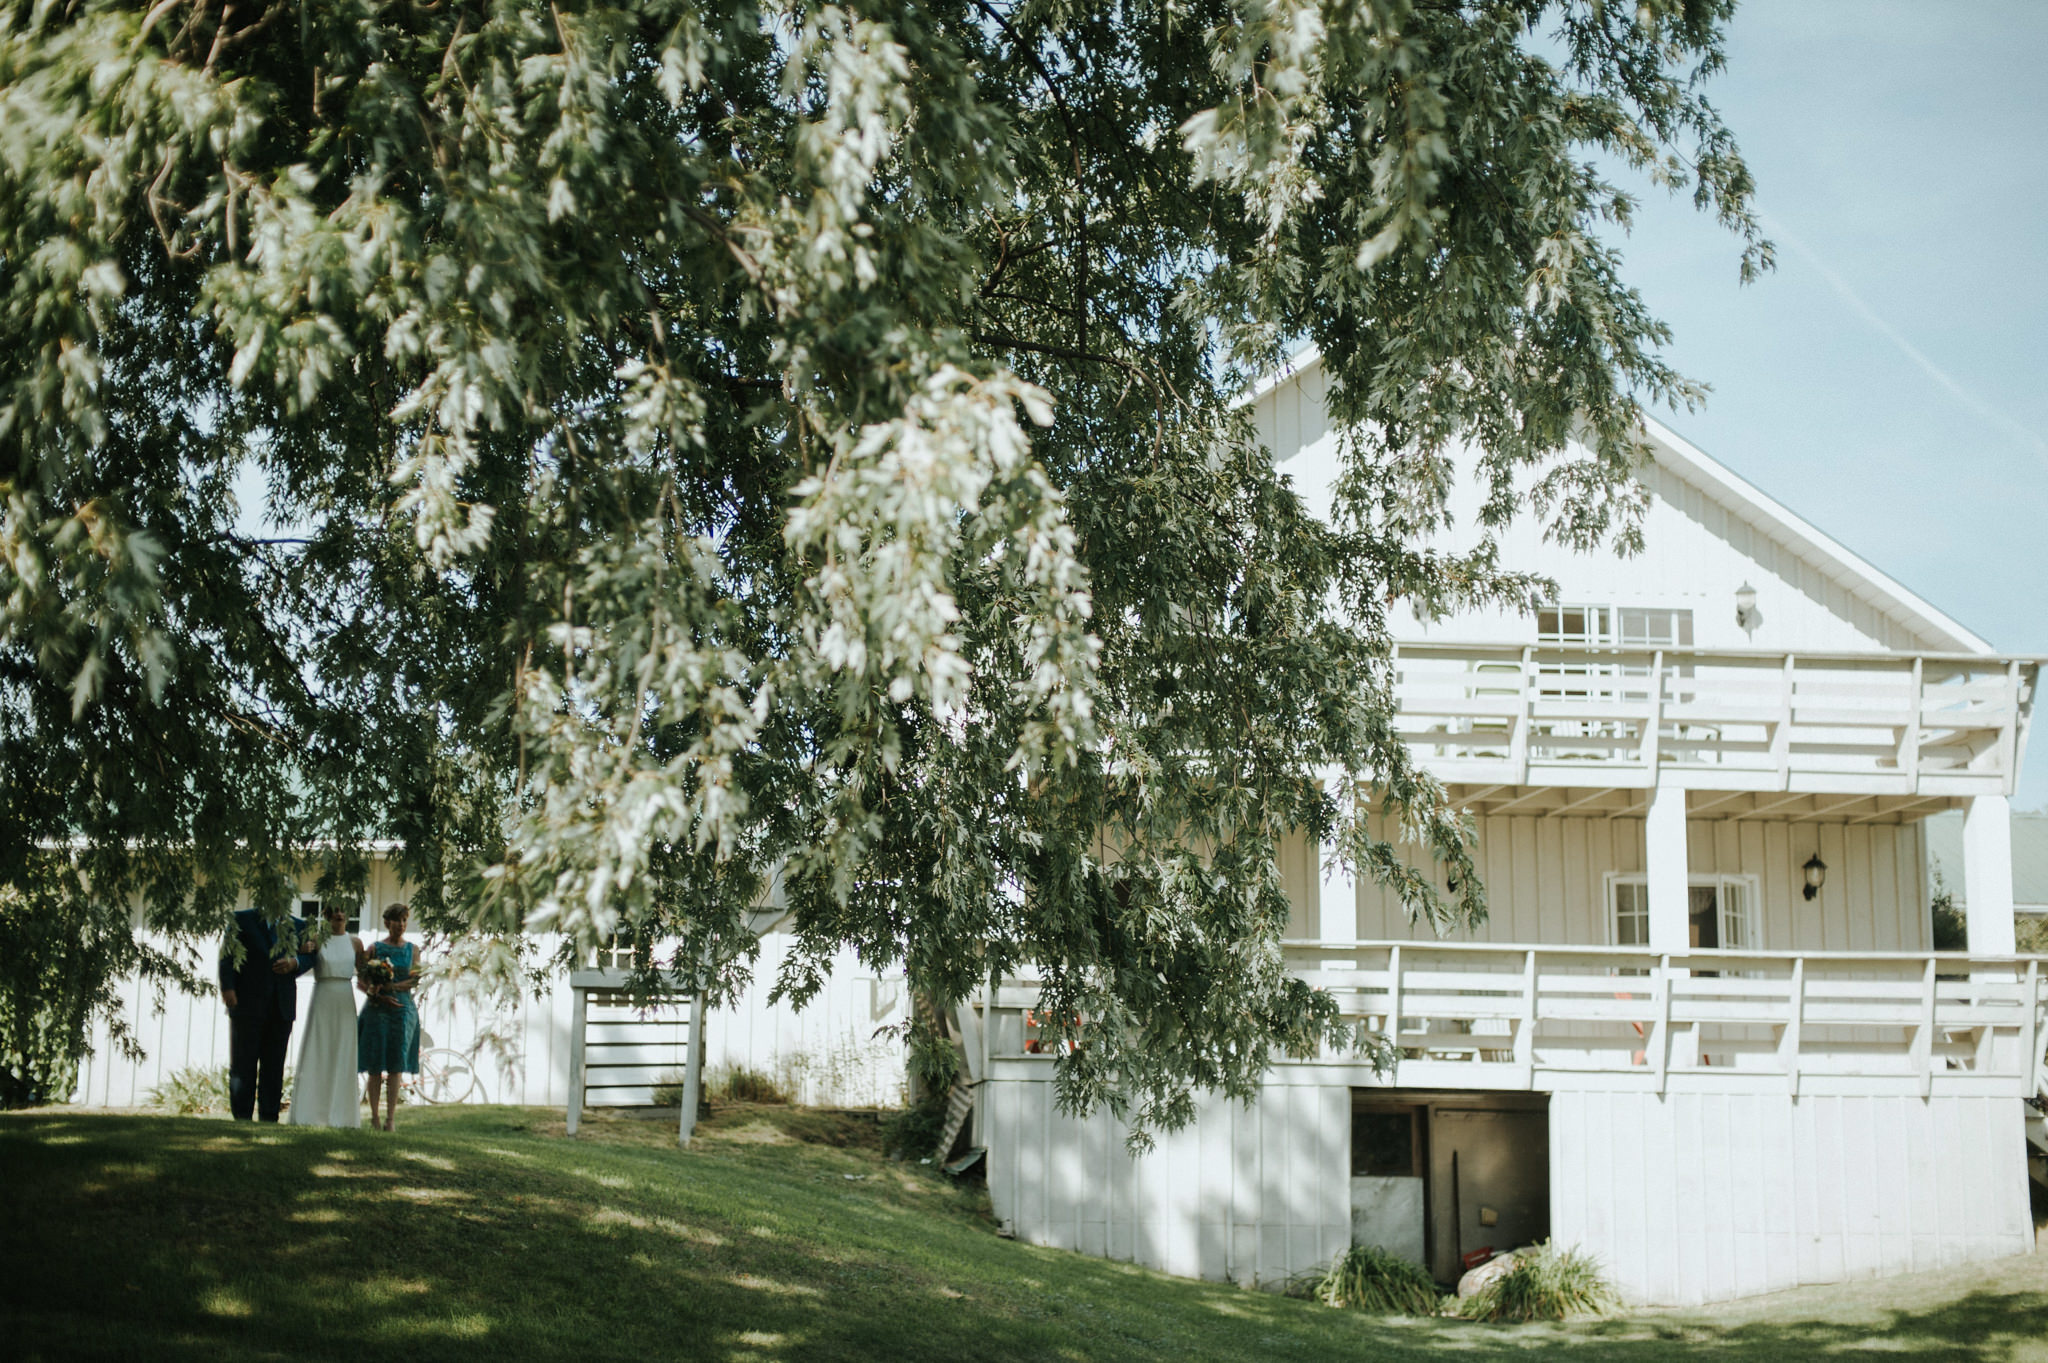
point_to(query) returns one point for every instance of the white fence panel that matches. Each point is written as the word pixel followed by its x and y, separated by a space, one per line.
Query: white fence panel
pixel 838 1051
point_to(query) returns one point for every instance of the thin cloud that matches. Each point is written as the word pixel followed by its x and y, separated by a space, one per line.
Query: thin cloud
pixel 1984 410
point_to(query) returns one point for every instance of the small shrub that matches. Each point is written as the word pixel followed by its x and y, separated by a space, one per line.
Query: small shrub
pixel 1947 928
pixel 1368 1278
pixel 1546 1283
pixel 192 1092
pixel 668 1089
pixel 913 1131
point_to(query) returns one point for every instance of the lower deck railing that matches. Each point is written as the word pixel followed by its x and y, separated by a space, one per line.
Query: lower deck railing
pixel 1462 1016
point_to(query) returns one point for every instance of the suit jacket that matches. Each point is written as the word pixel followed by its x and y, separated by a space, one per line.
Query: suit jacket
pixel 258 989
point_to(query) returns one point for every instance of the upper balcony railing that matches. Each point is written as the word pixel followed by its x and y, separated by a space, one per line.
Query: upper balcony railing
pixel 1924 725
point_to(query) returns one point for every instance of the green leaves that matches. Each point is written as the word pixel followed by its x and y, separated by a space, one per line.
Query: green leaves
pixel 65 964
pixel 715 451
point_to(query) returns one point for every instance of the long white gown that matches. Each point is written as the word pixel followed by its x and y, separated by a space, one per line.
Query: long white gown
pixel 326 1091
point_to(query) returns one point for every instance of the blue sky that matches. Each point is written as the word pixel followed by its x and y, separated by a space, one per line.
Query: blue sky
pixel 1886 381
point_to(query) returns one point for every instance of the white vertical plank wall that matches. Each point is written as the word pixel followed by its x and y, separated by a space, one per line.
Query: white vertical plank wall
pixel 1686 1199
pixel 1703 548
pixel 1546 881
pixel 828 1053
pixel 1299 864
pixel 1251 1195
pixel 1701 1197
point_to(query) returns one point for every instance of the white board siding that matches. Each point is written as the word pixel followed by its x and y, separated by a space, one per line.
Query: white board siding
pixel 1704 1197
pixel 1298 876
pixel 1688 1199
pixel 1252 1195
pixel 828 1051
pixel 1696 554
pixel 1291 416
pixel 1546 881
pixel 1698 550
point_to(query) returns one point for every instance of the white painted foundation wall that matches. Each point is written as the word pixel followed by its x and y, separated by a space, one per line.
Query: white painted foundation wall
pixel 1250 1195
pixel 1702 1197
pixel 1685 1199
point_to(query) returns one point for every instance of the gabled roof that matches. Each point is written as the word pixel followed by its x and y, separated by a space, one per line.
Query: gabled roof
pixel 1297 364
pixel 1690 464
pixel 1695 466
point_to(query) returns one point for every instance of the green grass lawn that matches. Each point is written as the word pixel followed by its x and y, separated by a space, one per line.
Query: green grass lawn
pixel 483 1234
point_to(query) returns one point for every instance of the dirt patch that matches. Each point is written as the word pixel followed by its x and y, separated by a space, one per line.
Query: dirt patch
pixel 773 1124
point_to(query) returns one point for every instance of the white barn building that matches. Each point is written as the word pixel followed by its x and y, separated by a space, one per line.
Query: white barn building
pixel 1703 1035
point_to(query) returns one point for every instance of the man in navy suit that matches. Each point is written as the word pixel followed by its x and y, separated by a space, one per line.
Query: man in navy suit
pixel 262 995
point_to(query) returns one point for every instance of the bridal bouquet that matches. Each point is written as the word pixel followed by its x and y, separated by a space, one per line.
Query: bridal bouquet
pixel 377 973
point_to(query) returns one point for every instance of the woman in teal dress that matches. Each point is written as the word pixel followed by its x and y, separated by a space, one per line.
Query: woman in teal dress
pixel 388 1029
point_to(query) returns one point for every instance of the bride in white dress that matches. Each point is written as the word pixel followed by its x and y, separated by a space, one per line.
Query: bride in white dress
pixel 326 1091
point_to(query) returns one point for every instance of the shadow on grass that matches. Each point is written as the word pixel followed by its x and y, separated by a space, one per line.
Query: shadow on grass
pixel 480 1237
pixel 179 1239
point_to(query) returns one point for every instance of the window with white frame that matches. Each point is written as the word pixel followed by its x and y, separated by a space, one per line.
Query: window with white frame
pixel 1721 912
pixel 1568 678
pixel 1615 679
pixel 1631 917
pixel 615 952
pixel 313 910
pixel 1628 626
pixel 1643 627
pixel 1738 913
pixel 1574 625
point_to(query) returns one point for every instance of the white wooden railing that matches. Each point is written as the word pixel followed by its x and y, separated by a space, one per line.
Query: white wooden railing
pixel 1553 715
pixel 1465 1016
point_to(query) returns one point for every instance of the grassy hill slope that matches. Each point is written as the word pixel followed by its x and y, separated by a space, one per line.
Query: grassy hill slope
pixel 483 1235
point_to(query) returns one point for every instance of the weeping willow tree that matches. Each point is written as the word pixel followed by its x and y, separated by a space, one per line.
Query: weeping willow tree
pixel 622 452
pixel 64 956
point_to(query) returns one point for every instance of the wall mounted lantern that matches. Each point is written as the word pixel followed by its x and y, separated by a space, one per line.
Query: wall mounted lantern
pixel 1747 616
pixel 1816 874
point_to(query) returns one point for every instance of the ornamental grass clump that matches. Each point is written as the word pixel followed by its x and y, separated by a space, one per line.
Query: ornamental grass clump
pixel 741 1084
pixel 738 1084
pixel 1368 1278
pixel 668 1089
pixel 1546 1283
pixel 192 1092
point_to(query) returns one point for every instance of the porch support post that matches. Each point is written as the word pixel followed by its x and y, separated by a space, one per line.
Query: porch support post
pixel 693 1072
pixel 1337 894
pixel 1665 865
pixel 1669 877
pixel 579 1014
pixel 1987 875
pixel 1337 907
